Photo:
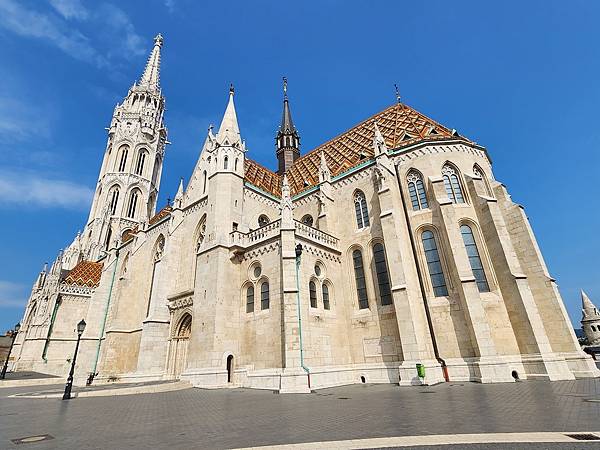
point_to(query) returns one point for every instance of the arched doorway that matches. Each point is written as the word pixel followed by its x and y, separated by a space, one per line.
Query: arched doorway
pixel 230 368
pixel 179 346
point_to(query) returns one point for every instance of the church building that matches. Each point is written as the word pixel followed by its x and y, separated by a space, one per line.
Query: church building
pixel 389 246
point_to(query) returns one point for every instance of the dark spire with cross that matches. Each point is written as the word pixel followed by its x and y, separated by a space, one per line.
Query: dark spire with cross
pixel 287 139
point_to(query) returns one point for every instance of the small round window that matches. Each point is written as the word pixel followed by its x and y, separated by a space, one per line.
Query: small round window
pixel 257 271
pixel 317 270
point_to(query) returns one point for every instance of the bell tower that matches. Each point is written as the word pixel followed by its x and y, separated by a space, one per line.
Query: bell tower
pixel 129 178
pixel 287 141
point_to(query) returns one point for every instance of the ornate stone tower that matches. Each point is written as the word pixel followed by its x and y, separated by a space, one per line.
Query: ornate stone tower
pixel 590 322
pixel 287 140
pixel 131 169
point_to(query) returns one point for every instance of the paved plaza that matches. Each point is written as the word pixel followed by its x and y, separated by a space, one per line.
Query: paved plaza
pixel 229 418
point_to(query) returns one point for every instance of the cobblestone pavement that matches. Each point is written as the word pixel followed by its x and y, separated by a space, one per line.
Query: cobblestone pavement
pixel 197 418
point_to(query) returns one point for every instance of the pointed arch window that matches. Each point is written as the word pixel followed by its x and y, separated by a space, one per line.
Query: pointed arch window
pixel 452 184
pixel 474 259
pixel 225 162
pixel 383 279
pixel 133 201
pixel 139 167
pixel 264 295
pixel 434 265
pixel 361 210
pixel 123 160
pixel 250 299
pixel 312 291
pixel 359 276
pixel 416 189
pixel 204 182
pixel 478 172
pixel 325 292
pixel 235 164
pixel 307 220
pixel 114 200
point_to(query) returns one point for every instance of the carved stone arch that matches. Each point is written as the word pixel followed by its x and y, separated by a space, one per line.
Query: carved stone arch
pixel 182 327
pixel 449 169
pixel 200 233
pixel 159 248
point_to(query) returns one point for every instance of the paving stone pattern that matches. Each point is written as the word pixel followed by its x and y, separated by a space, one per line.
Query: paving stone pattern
pixel 196 418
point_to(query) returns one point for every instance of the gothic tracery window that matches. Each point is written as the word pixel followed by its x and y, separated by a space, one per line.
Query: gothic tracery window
pixel 474 258
pixel 139 167
pixel 263 220
pixel 133 200
pixel 307 220
pixel 383 279
pixel 114 200
pixel 123 161
pixel 452 184
pixel 416 189
pixel 478 172
pixel 159 248
pixel 434 264
pixel 359 276
pixel 361 210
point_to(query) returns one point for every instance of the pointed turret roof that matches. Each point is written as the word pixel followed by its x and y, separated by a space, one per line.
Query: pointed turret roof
pixel 287 125
pixel 151 76
pixel 586 303
pixel 229 131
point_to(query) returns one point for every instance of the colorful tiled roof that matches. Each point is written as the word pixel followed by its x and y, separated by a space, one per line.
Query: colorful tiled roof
pixel 86 273
pixel 399 124
pixel 160 215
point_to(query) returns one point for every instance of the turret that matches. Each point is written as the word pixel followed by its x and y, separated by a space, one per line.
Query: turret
pixel 590 322
pixel 287 140
pixel 129 178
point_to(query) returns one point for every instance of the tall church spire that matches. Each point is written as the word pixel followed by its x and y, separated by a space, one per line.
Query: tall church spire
pixel 229 131
pixel 287 139
pixel 151 75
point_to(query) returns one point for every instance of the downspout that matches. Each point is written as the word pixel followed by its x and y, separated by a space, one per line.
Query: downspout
pixel 50 328
pixel 112 282
pixel 421 284
pixel 298 255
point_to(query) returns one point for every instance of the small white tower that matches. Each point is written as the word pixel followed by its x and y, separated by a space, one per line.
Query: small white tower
pixel 590 322
pixel 131 170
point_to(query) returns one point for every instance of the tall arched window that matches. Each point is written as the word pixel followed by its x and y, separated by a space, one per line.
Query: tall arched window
pixel 114 200
pixel 155 171
pixel 204 182
pixel 312 290
pixel 474 259
pixel 108 239
pixel 235 164
pixel 325 291
pixel 225 162
pixel 133 200
pixel 264 295
pixel 434 265
pixel 250 299
pixel 416 189
pixel 139 167
pixel 159 249
pixel 452 184
pixel 359 276
pixel 362 212
pixel 123 160
pixel 383 279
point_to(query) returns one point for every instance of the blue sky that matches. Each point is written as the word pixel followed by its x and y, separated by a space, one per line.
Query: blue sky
pixel 520 78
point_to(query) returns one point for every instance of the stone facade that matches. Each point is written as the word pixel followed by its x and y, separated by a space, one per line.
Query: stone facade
pixel 389 246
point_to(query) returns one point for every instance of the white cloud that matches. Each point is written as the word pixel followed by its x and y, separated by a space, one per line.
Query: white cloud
pixel 20 121
pixel 70 9
pixel 170 5
pixel 12 295
pixel 29 189
pixel 105 25
pixel 28 23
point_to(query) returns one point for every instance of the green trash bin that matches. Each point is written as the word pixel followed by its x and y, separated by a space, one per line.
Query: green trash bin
pixel 421 371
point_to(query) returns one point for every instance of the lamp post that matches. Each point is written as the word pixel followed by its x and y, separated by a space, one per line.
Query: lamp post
pixel 69 386
pixel 14 337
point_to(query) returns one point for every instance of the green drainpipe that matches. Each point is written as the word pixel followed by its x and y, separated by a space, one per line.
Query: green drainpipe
pixel 112 282
pixel 298 254
pixel 52 319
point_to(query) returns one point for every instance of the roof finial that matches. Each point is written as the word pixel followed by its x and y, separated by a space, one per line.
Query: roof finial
pixel 158 40
pixel 285 88
pixel 397 93
pixel 151 75
pixel 231 89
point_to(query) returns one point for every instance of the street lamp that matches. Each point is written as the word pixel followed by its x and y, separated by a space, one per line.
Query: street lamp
pixel 14 337
pixel 69 386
